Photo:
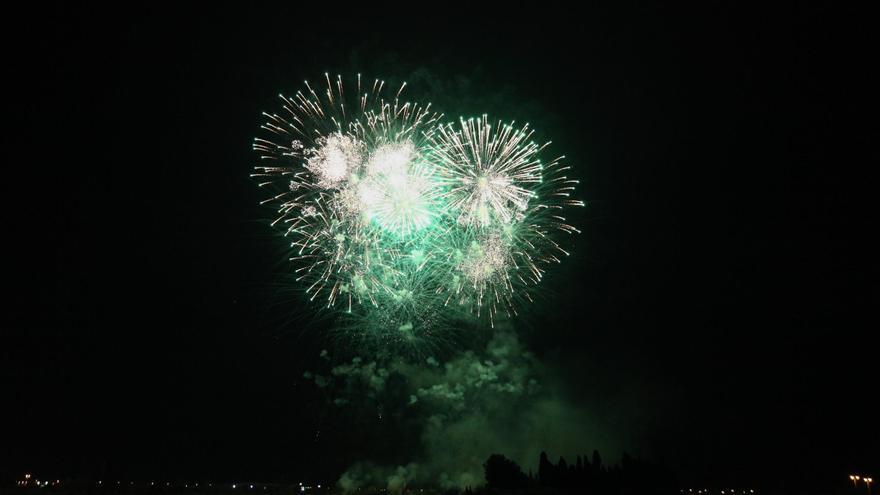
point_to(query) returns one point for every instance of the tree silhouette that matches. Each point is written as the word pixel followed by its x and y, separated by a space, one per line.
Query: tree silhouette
pixel 631 476
pixel 503 473
pixel 546 471
pixel 597 461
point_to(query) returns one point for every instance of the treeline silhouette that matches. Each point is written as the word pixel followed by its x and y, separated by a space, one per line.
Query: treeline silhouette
pixel 589 476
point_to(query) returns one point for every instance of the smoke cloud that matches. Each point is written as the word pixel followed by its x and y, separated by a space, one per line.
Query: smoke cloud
pixel 496 399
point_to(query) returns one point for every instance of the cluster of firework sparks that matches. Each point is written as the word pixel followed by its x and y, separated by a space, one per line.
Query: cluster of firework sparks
pixel 396 216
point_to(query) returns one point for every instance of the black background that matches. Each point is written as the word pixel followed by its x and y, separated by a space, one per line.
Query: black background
pixel 727 262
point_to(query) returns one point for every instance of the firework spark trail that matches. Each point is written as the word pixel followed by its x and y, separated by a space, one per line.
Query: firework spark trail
pixel 397 217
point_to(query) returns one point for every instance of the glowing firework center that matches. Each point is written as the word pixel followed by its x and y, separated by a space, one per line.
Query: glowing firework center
pixel 390 186
pixel 407 221
pixel 398 191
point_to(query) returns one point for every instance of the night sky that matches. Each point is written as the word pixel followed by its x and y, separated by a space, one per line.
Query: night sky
pixel 718 313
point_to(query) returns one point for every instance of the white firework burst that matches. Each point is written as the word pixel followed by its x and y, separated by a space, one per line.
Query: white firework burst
pixel 490 170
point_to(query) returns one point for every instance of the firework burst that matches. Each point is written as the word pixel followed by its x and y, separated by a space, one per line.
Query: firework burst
pixel 399 218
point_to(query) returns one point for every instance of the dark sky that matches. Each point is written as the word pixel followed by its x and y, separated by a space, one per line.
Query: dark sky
pixel 726 276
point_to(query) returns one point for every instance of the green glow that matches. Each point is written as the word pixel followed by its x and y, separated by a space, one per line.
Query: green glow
pixel 405 222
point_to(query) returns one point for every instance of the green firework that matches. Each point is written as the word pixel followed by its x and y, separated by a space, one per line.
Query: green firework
pixel 406 222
